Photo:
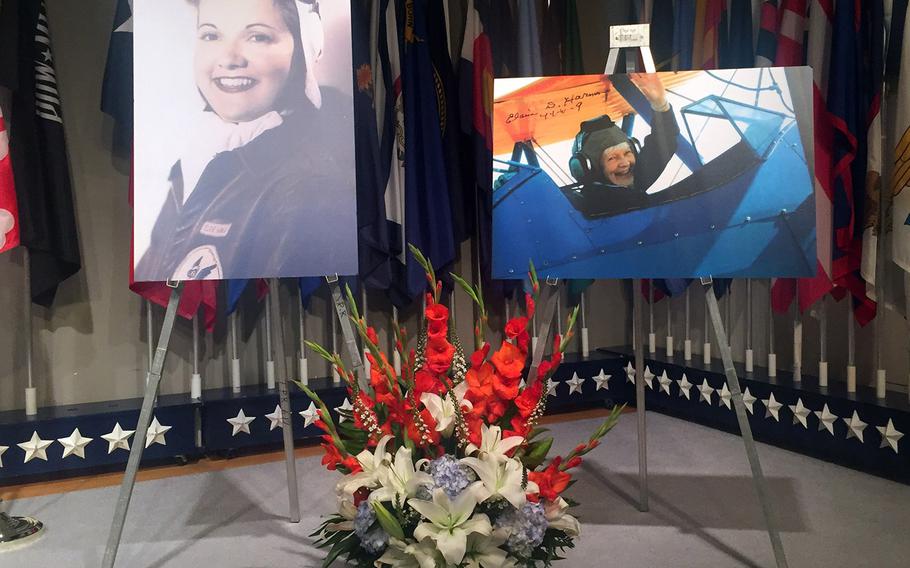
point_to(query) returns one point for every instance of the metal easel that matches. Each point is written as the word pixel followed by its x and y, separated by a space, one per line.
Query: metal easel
pixel 638 36
pixel 145 418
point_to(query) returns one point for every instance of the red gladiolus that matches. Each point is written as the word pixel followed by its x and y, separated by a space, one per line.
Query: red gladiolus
pixel 425 381
pixel 505 388
pixel 480 382
pixel 437 316
pixel 479 356
pixel 439 354
pixel 574 462
pixel 371 335
pixel 495 409
pixel 551 482
pixel 519 428
pixel 593 444
pixel 579 448
pixel 527 401
pixel 515 326
pixel 544 369
pixel 529 305
pixel 509 361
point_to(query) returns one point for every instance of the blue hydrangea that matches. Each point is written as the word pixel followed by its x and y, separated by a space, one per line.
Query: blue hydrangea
pixel 375 541
pixel 526 528
pixel 364 519
pixel 450 476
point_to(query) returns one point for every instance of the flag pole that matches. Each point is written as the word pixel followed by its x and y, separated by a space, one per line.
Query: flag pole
pixel 750 354
pixel 17 531
pixel 336 377
pixel 196 381
pixel 772 356
pixel 585 346
pixel 669 327
pixel 823 343
pixel 687 344
pixel 363 301
pixel 652 337
pixel 284 402
pixel 269 352
pixel 31 393
pixel 797 344
pixel 559 309
pixel 396 356
pixel 301 330
pixel 851 349
pixel 235 353
pixel 706 348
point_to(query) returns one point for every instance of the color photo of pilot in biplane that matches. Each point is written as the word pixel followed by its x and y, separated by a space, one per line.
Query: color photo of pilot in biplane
pixel 667 175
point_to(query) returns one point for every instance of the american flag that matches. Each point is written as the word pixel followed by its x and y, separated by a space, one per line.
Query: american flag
pixel 9 213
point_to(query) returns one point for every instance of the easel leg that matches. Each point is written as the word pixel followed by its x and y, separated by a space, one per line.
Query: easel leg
pixel 640 396
pixel 284 401
pixel 145 418
pixel 733 383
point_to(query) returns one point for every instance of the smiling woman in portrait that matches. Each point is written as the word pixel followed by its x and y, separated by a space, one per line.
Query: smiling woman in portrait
pixel 264 185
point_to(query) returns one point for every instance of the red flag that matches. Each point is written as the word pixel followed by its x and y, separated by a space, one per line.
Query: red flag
pixel 766 49
pixel 714 13
pixel 791 33
pixel 9 213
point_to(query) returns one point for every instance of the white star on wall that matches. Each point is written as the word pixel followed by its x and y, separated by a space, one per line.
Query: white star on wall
pixel 706 391
pixel 35 448
pixel 346 405
pixel 309 415
pixel 800 413
pixel 551 387
pixel 724 396
pixel 825 419
pixel 118 438
pixel 665 382
pixel 684 387
pixel 890 436
pixel 630 373
pixel 275 418
pixel 772 408
pixel 748 400
pixel 74 444
pixel 575 383
pixel 2 451
pixel 649 378
pixel 855 427
pixel 155 434
pixel 240 423
pixel 602 380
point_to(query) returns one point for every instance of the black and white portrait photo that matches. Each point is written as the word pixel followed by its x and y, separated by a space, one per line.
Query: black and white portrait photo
pixel 244 139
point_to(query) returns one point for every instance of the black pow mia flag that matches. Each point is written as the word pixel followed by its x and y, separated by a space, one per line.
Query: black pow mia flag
pixel 38 147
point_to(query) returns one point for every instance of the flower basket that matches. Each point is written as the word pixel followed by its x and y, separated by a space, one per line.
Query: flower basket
pixel 442 462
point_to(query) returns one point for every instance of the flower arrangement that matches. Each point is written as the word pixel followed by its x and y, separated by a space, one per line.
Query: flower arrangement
pixel 444 463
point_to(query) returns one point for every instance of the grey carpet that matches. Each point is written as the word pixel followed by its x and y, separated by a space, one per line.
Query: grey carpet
pixel 704 512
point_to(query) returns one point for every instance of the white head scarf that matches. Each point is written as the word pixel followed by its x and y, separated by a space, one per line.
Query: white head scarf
pixel 312 37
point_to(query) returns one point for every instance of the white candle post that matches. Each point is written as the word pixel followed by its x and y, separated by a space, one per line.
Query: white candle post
pixel 235 353
pixel 772 356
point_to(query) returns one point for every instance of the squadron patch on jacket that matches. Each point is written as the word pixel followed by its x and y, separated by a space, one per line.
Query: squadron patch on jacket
pixel 215 229
pixel 202 263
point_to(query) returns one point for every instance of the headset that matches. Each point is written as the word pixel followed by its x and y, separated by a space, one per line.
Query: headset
pixel 580 165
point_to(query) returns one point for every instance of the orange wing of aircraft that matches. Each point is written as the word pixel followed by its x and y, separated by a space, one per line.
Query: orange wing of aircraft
pixel 552 108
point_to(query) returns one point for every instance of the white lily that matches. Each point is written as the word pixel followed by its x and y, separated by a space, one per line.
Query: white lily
pixel 450 522
pixel 500 478
pixel 559 519
pixel 401 479
pixel 491 443
pixel 442 409
pixel 403 554
pixel 484 552
pixel 347 510
pixel 372 464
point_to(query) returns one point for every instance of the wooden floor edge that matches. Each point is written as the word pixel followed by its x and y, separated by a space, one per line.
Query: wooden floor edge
pixel 206 465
